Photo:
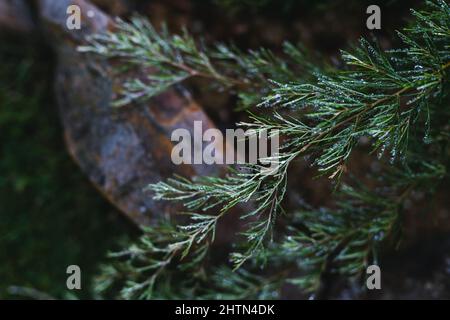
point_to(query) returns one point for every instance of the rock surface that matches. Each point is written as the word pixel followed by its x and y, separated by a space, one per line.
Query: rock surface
pixel 15 16
pixel 121 150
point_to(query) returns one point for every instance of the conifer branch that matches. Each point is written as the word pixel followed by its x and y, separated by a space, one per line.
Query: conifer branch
pixel 393 97
pixel 176 58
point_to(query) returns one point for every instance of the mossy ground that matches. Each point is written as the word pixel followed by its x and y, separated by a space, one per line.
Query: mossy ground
pixel 50 215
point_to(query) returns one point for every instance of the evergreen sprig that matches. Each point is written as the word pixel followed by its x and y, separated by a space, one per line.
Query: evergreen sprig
pixel 395 98
pixel 173 59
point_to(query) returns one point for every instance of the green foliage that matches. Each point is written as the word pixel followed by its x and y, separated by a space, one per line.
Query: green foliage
pixel 156 268
pixel 395 99
pixel 176 58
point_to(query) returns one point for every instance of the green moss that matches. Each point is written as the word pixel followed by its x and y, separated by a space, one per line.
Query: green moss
pixel 50 215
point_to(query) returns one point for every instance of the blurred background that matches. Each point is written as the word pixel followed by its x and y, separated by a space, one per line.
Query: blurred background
pixel 50 215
